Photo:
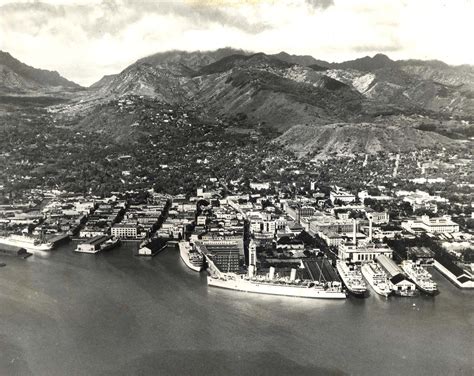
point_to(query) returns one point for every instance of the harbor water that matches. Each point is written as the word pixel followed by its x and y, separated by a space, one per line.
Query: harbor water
pixel 65 313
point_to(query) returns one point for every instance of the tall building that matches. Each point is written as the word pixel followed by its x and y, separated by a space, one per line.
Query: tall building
pixel 252 253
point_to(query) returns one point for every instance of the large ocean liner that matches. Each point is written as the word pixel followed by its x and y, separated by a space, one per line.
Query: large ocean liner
pixel 271 283
pixel 27 242
pixel 191 257
pixel 352 278
pixel 420 276
pixel 277 286
pixel 376 278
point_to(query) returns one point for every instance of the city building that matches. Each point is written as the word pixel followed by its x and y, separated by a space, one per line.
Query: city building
pixel 377 217
pixel 125 230
pixel 338 194
pixel 364 252
pixel 439 225
pixel 225 257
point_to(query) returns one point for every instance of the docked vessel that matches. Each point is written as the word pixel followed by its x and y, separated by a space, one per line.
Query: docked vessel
pixel 191 257
pixel 110 244
pixel 420 276
pixel 27 242
pixel 376 278
pixel 284 287
pixel 352 278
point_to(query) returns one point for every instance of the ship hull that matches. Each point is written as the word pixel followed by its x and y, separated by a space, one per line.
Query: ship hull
pixel 184 254
pixel 427 292
pixel 405 294
pixel 268 289
pixel 88 252
pixel 373 285
pixel 110 246
pixel 354 292
pixel 189 264
pixel 414 279
pixel 27 246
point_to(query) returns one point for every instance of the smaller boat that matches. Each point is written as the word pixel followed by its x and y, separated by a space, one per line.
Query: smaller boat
pixel 376 278
pixel 110 244
pixel 352 278
pixel 191 257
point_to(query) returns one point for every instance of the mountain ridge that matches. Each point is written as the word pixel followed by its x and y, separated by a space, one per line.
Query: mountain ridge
pixel 18 77
pixel 281 93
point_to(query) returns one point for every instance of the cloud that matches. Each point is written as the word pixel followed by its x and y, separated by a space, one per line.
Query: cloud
pixel 113 16
pixel 376 48
pixel 85 39
pixel 320 4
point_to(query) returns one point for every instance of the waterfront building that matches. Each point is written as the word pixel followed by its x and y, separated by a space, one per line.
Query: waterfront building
pixel 93 245
pixel 225 239
pixel 364 252
pixel 399 283
pixel 91 231
pixel 125 230
pixel 225 257
pixel 461 277
pixel 422 254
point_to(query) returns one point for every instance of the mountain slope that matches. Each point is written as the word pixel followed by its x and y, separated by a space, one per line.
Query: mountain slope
pixel 264 88
pixel 191 60
pixel 280 91
pixel 278 98
pixel 349 139
pixel 17 77
pixel 305 60
pixel 416 86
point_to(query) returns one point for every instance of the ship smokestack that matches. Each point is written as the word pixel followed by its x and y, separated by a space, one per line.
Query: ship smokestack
pixel 271 275
pixel 293 274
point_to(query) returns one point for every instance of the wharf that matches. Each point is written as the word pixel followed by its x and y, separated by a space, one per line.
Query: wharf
pixel 152 247
pixel 12 250
pixel 57 239
pixel 320 269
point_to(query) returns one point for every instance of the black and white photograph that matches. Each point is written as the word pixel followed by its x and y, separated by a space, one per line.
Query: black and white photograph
pixel 236 187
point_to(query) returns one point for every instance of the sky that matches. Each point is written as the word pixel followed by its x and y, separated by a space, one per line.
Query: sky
pixel 86 39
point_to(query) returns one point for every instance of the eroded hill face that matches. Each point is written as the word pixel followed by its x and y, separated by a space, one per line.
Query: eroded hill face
pixel 346 139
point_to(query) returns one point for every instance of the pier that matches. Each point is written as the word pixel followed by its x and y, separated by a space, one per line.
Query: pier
pixel 320 269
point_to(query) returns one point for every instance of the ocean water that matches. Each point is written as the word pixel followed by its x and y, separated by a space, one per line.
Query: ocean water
pixel 63 313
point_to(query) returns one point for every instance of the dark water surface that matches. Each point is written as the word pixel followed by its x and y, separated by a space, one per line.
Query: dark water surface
pixel 115 314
